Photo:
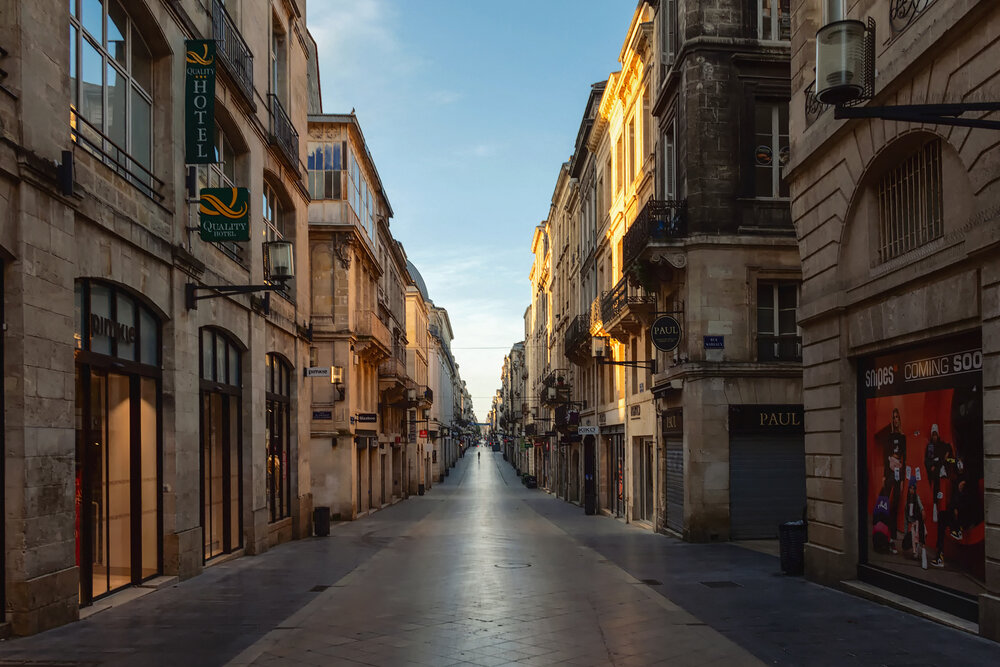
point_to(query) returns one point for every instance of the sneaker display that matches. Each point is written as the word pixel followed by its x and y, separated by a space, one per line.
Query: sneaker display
pixel 938 562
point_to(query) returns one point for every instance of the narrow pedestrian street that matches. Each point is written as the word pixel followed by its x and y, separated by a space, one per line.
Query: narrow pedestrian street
pixel 483 571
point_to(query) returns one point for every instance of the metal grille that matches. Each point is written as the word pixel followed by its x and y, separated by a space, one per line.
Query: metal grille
pixel 910 203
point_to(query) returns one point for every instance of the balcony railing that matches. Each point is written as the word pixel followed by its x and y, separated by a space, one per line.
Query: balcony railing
pixel 369 324
pixel 392 368
pixel 779 348
pixel 578 332
pixel 658 221
pixel 232 49
pixel 623 296
pixel 84 133
pixel 283 133
pixel 904 12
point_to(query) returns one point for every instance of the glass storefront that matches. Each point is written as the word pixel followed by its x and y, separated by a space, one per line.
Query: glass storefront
pixel 922 464
pixel 277 436
pixel 221 445
pixel 117 440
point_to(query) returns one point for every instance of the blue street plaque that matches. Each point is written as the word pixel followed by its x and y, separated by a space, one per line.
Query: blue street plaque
pixel 715 342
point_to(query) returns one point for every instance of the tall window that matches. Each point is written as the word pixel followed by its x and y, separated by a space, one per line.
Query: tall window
pixel 770 149
pixel 276 69
pixel 277 437
pixel 326 170
pixel 668 34
pixel 911 202
pixel 619 164
pixel 669 158
pixel 773 20
pixel 221 445
pixel 274 224
pixel 111 76
pixel 360 196
pixel 630 139
pixel 777 333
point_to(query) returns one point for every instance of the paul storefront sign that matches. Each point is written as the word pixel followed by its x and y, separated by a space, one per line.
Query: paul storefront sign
pixel 224 214
pixel 665 333
pixel 199 101
pixel 921 442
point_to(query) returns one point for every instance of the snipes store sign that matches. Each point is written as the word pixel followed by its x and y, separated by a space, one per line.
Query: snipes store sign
pixel 199 101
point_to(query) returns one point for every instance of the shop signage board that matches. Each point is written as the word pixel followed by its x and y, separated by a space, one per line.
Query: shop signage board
pixel 920 428
pixel 224 214
pixel 423 433
pixel 317 371
pixel 322 414
pixel 766 418
pixel 199 101
pixel 665 333
pixel 588 430
pixel 367 418
pixel 673 422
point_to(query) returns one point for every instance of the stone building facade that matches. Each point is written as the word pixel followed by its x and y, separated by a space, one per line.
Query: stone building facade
pixel 146 435
pixel 896 224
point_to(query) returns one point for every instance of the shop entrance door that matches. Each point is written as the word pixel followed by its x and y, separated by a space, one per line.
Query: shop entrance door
pixel 221 518
pixel 117 490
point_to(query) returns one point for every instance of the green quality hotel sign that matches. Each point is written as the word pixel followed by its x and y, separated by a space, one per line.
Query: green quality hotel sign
pixel 224 214
pixel 199 101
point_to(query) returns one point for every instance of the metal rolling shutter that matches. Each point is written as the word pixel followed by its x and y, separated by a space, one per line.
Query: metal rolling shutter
pixel 675 485
pixel 767 484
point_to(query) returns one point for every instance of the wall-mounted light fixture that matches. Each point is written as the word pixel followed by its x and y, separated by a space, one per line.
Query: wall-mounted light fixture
pixel 279 268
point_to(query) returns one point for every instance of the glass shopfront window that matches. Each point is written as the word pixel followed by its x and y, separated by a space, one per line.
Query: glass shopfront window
pixel 221 444
pixel 277 436
pixel 118 519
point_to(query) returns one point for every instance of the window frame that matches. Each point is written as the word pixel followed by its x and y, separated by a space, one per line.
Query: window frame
pixel 776 334
pixel 778 188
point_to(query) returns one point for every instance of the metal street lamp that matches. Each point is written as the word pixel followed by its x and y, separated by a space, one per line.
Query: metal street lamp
pixel 279 268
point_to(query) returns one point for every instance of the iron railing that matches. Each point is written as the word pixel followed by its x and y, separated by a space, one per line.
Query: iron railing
pixel 779 348
pixel 659 220
pixel 283 133
pixel 578 332
pixel 622 296
pixel 904 12
pixel 232 49
pixel 84 133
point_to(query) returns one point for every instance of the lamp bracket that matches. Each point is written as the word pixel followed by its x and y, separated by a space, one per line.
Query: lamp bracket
pixel 931 114
pixel 647 365
pixel 191 298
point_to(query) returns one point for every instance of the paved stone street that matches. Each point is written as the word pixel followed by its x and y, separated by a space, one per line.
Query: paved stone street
pixel 482 571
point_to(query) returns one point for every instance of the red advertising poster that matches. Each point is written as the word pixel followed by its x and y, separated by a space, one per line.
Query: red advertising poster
pixel 922 449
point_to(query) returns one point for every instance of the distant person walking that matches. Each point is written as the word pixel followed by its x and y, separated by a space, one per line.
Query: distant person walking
pixel 479 455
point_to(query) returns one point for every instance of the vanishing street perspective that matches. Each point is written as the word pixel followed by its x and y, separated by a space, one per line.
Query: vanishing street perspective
pixel 679 343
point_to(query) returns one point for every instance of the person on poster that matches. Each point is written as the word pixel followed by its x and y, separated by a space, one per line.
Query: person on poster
pixel 936 455
pixel 894 465
pixel 916 530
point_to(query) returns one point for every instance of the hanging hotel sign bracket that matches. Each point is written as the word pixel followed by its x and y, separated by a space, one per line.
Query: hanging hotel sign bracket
pixel 649 365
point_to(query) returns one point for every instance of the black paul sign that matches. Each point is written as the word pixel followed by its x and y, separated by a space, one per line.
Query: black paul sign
pixel 224 214
pixel 766 418
pixel 199 101
pixel 673 422
pixel 665 333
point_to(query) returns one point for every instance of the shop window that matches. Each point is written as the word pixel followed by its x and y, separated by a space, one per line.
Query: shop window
pixel 118 419
pixel 277 437
pixel 770 149
pixel 221 444
pixel 911 203
pixel 110 69
pixel 778 336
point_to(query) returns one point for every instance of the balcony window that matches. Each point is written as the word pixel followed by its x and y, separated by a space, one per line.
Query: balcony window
pixel 777 333
pixel 326 170
pixel 770 149
pixel 669 166
pixel 110 69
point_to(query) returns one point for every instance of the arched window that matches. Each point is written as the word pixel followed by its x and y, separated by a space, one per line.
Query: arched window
pixel 277 392
pixel 221 444
pixel 111 78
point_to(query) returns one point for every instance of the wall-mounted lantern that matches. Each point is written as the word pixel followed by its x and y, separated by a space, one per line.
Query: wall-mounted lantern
pixel 279 268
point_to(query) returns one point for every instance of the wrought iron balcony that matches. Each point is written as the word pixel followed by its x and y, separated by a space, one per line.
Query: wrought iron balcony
pixel 779 348
pixel 658 221
pixel 624 307
pixel 577 337
pixel 232 50
pixel 283 133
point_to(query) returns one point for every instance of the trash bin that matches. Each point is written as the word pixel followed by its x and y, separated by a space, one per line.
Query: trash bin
pixel 792 542
pixel 321 521
pixel 420 489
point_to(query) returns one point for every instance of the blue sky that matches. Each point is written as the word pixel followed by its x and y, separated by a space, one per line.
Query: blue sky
pixel 469 108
